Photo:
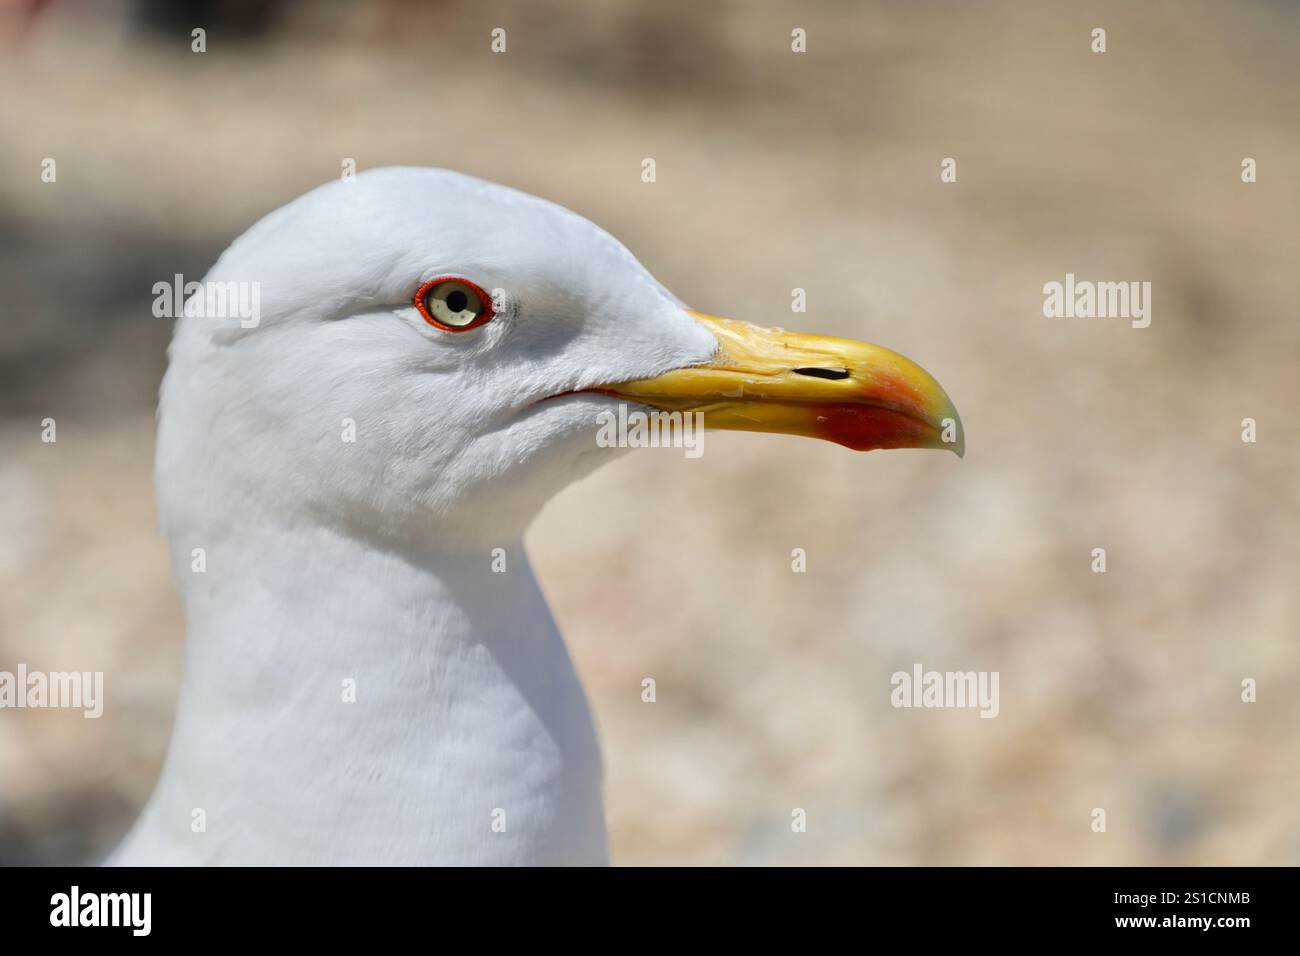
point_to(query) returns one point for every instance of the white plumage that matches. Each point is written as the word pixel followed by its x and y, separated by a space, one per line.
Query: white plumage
pixel 330 561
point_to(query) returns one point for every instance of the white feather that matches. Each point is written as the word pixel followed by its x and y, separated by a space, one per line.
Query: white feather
pixel 371 561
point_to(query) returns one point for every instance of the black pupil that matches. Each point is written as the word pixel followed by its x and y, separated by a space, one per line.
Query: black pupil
pixel 457 301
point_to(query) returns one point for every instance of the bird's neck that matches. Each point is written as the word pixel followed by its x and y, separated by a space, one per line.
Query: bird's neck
pixel 347 702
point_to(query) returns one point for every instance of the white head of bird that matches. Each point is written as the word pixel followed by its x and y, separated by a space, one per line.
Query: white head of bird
pixel 429 367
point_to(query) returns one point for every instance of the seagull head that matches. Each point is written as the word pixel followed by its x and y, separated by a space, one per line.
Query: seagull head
pixel 430 355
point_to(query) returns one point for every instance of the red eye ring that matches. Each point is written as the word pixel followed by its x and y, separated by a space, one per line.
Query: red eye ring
pixel 485 300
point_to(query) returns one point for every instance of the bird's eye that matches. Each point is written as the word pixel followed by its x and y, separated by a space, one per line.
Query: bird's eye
pixel 454 305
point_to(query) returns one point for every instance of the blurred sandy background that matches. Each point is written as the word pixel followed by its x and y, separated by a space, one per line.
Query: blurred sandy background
pixel 775 171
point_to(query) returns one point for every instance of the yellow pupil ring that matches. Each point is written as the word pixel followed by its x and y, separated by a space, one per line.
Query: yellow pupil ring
pixel 453 304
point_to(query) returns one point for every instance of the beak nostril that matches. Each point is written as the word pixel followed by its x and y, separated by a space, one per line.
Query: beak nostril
pixel 834 374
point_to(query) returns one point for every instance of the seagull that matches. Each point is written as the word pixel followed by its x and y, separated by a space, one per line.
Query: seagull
pixel 371 673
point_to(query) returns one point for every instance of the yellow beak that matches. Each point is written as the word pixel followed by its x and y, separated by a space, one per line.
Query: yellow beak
pixel 858 395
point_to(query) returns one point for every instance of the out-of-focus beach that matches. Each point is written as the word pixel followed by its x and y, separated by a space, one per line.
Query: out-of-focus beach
pixel 775 171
